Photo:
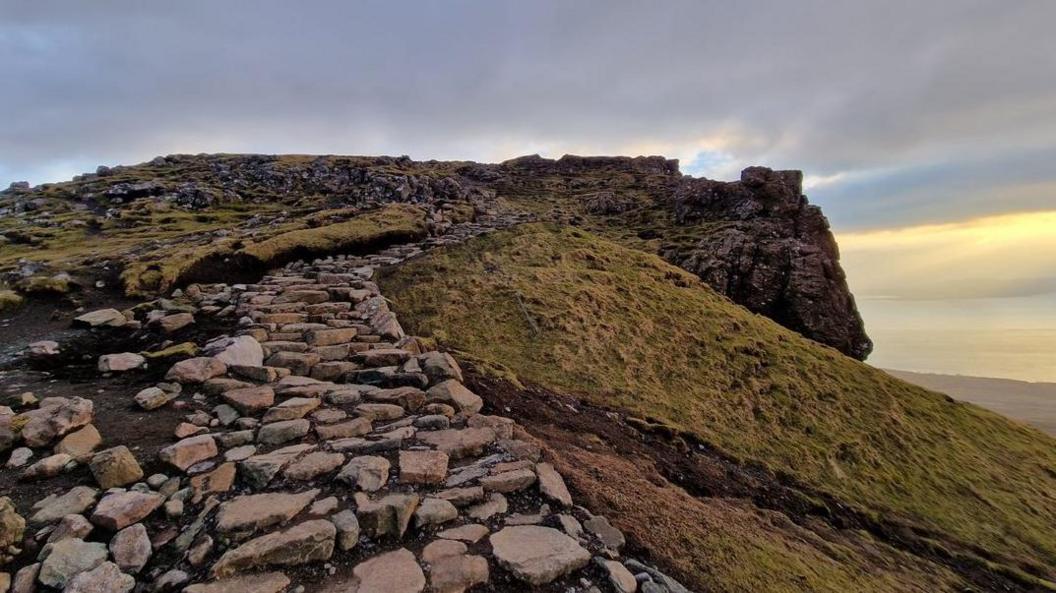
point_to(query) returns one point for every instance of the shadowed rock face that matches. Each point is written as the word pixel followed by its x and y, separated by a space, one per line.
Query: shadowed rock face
pixel 766 247
pixel 756 240
pixel 774 254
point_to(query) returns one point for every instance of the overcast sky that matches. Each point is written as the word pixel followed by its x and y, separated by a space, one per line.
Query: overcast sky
pixel 903 114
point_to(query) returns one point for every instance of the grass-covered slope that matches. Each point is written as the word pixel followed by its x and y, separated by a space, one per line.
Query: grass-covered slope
pixel 564 309
pixel 235 258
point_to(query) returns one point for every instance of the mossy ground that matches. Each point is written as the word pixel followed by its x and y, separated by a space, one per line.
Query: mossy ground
pixel 567 310
pixel 398 221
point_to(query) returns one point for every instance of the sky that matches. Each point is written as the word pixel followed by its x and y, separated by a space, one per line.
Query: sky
pixel 926 130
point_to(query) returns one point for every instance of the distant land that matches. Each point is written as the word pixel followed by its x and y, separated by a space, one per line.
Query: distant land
pixel 1033 403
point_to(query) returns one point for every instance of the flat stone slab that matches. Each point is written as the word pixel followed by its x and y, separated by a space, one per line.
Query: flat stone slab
pixel 552 485
pixel 313 465
pixel 471 533
pixel 393 572
pixel 250 399
pixel 257 511
pixel 368 473
pixel 537 555
pixel 459 443
pixel 423 467
pixel 187 452
pixel 311 541
pixel 268 582
pixel 73 502
pixel 121 509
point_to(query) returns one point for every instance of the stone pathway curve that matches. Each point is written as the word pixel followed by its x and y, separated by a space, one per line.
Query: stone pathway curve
pixel 322 450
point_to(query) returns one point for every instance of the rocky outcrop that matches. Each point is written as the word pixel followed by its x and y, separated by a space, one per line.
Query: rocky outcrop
pixel 773 253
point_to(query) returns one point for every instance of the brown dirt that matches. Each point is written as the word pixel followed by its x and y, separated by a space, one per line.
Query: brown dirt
pixel 681 503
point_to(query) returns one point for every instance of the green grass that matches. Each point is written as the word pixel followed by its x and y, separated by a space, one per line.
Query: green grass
pixel 163 271
pixel 391 223
pixel 9 300
pixel 576 313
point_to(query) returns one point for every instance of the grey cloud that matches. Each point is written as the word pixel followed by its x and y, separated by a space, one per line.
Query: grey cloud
pixel 828 87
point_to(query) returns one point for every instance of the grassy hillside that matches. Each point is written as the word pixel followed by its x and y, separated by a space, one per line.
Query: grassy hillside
pixel 564 309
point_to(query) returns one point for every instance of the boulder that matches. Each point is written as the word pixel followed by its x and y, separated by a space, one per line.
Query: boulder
pixel 277 433
pixel 217 481
pixel 552 485
pixel 368 473
pixel 510 481
pixel 434 511
pixel 291 409
pixel 471 533
pixel 298 363
pixel 71 526
pixel 102 317
pixel 115 467
pixel 439 367
pixel 392 572
pixel 25 580
pixel 187 452
pixel 620 578
pixel 423 467
pixel 608 535
pixel 105 578
pixel 342 430
pixel 388 516
pixel 131 548
pixel 457 573
pixel 67 558
pixel 175 322
pixel 454 393
pixel 442 548
pixel 153 398
pixel 313 465
pixel 249 400
pixel 383 357
pixel 121 509
pixel 116 363
pixel 459 443
pixel 347 529
pixel 48 467
pixel 496 504
pixel 258 470
pixel 380 411
pixel 196 370
pixel 12 525
pixel 44 348
pixel 55 417
pixel 329 337
pixel 537 555
pixel 410 398
pixel 75 501
pixel 19 457
pixel 243 351
pixel 80 443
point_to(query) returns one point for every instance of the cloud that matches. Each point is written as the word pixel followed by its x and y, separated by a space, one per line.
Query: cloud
pixel 885 113
pixel 1005 256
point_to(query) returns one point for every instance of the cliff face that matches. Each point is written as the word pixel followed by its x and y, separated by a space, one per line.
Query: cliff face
pixel 775 255
pixel 756 240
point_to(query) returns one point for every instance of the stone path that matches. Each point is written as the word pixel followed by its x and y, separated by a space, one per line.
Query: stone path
pixel 322 449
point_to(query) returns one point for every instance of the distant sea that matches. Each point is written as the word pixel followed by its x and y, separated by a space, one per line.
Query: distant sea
pixel 1013 338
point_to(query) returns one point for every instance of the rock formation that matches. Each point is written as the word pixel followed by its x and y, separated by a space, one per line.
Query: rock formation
pixel 756 240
